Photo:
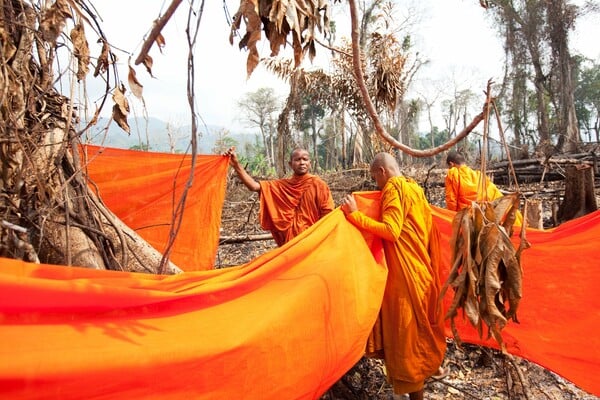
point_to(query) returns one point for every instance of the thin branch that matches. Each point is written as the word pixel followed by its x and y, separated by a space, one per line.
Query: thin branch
pixel 159 24
pixel 178 212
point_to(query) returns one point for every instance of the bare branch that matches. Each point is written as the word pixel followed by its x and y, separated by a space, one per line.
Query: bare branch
pixel 159 24
pixel 358 73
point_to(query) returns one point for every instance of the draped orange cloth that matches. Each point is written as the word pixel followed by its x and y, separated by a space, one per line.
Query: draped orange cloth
pixel 287 325
pixel 559 313
pixel 289 206
pixel 143 189
pixel 412 326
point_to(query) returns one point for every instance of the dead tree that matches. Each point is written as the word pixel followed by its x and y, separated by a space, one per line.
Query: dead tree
pixel 579 198
pixel 47 211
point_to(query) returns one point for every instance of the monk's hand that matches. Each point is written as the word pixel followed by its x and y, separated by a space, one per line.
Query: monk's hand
pixel 349 204
pixel 233 160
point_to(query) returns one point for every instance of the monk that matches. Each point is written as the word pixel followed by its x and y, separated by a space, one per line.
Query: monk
pixel 288 206
pixel 464 186
pixel 412 325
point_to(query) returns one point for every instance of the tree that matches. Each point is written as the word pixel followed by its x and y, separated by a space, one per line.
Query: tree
pixel 259 109
pixel 561 19
pixel 312 114
pixel 587 98
pixel 40 151
pixel 223 142
pixel 174 135
pixel 542 28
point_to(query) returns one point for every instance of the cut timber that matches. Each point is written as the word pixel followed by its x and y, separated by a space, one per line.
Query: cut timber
pixel 579 197
pixel 244 238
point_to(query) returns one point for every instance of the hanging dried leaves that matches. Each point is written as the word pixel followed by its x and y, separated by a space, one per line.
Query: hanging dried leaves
pixel 81 51
pixel 389 77
pixel 160 42
pixel 486 272
pixel 121 108
pixel 148 62
pixel 278 18
pixel 103 63
pixel 54 20
pixel 135 86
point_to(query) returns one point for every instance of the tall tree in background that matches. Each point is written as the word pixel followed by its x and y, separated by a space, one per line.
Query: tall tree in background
pixel 259 109
pixel 561 19
pixel 310 124
pixel 587 98
pixel 523 25
pixel 542 28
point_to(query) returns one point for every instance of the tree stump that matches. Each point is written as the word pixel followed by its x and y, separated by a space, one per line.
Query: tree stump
pixel 535 217
pixel 579 198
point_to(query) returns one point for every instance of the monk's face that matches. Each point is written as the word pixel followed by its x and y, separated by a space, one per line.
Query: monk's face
pixel 300 162
pixel 379 175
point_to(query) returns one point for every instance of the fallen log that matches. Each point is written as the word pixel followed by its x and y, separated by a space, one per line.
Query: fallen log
pixel 244 238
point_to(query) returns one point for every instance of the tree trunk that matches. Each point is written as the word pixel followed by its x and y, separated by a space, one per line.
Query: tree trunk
pixel 579 198
pixel 560 20
pixel 48 212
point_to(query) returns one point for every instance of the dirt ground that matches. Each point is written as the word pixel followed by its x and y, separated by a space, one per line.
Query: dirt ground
pixel 473 372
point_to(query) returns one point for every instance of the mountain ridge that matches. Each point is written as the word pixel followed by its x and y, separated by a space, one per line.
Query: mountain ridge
pixel 155 132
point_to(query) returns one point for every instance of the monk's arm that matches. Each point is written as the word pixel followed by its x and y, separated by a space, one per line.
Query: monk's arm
pixel 246 179
pixel 388 228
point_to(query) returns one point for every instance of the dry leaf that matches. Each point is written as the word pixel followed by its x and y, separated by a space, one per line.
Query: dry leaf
pixel 148 64
pixel 54 20
pixel 486 275
pixel 8 48
pixel 81 51
pixel 120 118
pixel 160 41
pixel 135 86
pixel 103 62
pixel 120 100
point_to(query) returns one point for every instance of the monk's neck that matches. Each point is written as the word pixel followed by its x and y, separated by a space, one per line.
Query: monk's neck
pixel 295 177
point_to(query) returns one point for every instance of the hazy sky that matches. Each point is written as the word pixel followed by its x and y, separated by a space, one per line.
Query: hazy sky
pixel 453 34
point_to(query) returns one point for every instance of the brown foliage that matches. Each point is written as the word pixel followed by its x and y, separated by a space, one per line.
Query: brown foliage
pixel 298 18
pixel 485 269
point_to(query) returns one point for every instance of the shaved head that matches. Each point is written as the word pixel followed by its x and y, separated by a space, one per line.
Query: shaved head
pixel 455 157
pixel 298 151
pixel 387 161
pixel 383 167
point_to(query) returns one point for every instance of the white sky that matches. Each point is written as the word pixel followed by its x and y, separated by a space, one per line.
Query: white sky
pixel 453 34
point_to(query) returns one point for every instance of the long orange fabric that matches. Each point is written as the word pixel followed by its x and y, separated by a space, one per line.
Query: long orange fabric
pixel 143 189
pixel 289 206
pixel 287 325
pixel 284 326
pixel 559 313
pixel 412 331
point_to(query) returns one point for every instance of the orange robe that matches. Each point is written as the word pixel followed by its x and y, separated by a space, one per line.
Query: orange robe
pixel 412 325
pixel 463 187
pixel 289 206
